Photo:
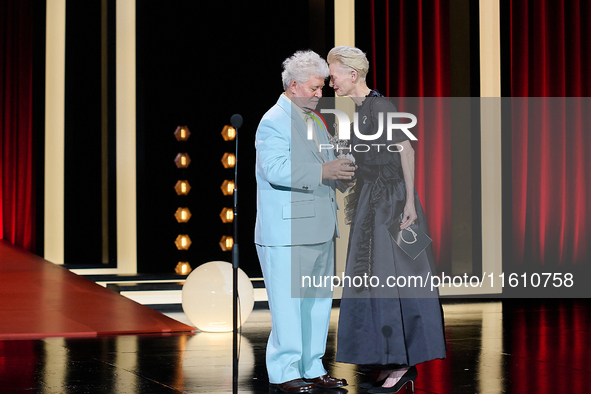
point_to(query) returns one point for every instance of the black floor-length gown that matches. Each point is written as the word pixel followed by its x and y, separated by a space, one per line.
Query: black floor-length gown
pixel 381 324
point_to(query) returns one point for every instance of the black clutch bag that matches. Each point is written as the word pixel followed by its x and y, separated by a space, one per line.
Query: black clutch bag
pixel 411 240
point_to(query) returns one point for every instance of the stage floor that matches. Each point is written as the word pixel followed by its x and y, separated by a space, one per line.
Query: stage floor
pixel 510 346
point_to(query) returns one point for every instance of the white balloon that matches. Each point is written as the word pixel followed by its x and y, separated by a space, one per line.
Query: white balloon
pixel 207 297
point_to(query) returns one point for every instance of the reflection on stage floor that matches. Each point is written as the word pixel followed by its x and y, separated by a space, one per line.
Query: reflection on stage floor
pixel 509 346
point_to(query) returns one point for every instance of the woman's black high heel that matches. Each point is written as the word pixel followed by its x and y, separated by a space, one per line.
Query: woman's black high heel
pixel 409 376
pixel 375 383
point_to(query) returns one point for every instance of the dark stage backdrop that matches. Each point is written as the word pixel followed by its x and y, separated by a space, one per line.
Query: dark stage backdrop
pixel 199 63
pixel 17 191
pixel 550 45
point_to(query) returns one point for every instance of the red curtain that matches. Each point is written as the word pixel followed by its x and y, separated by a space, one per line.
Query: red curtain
pixel 553 335
pixel 17 197
pixel 550 46
pixel 409 57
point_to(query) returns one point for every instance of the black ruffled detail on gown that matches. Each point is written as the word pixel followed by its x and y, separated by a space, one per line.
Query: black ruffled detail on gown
pixel 365 243
pixel 382 325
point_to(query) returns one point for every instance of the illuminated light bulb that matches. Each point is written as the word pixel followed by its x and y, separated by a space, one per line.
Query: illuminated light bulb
pixel 183 242
pixel 182 215
pixel 227 187
pixel 182 188
pixel 227 215
pixel 183 268
pixel 226 243
pixel 182 133
pixel 182 160
pixel 228 133
pixel 228 160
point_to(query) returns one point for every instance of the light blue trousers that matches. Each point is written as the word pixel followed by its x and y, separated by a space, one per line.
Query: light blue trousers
pixel 299 324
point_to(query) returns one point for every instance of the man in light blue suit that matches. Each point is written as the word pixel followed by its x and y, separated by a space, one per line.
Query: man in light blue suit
pixel 296 225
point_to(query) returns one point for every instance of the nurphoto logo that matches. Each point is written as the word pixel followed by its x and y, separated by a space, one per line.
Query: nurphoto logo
pixel 344 133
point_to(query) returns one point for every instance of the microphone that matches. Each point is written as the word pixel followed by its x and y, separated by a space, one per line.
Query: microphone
pixel 236 121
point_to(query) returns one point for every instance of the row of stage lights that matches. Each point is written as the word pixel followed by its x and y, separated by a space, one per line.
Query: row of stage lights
pixel 182 188
pixel 227 214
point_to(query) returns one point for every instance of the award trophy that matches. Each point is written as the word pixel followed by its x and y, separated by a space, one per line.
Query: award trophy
pixel 342 148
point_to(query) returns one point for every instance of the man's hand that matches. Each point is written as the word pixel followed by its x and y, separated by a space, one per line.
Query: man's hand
pixel 338 169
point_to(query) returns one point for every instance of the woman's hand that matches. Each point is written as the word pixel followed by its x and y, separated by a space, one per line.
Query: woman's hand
pixel 409 216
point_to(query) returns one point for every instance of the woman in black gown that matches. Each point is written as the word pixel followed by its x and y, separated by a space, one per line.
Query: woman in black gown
pixel 390 329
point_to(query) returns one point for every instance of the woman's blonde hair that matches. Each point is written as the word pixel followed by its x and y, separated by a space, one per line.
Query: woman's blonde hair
pixel 350 57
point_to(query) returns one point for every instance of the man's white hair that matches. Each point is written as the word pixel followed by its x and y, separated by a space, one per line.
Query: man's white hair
pixel 302 66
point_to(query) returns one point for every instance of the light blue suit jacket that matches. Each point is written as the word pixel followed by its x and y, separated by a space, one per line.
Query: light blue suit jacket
pixel 293 207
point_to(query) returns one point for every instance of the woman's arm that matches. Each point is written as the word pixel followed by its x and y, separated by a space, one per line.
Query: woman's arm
pixel 407 157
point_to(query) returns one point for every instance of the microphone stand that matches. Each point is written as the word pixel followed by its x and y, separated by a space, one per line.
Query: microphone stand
pixel 236 121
